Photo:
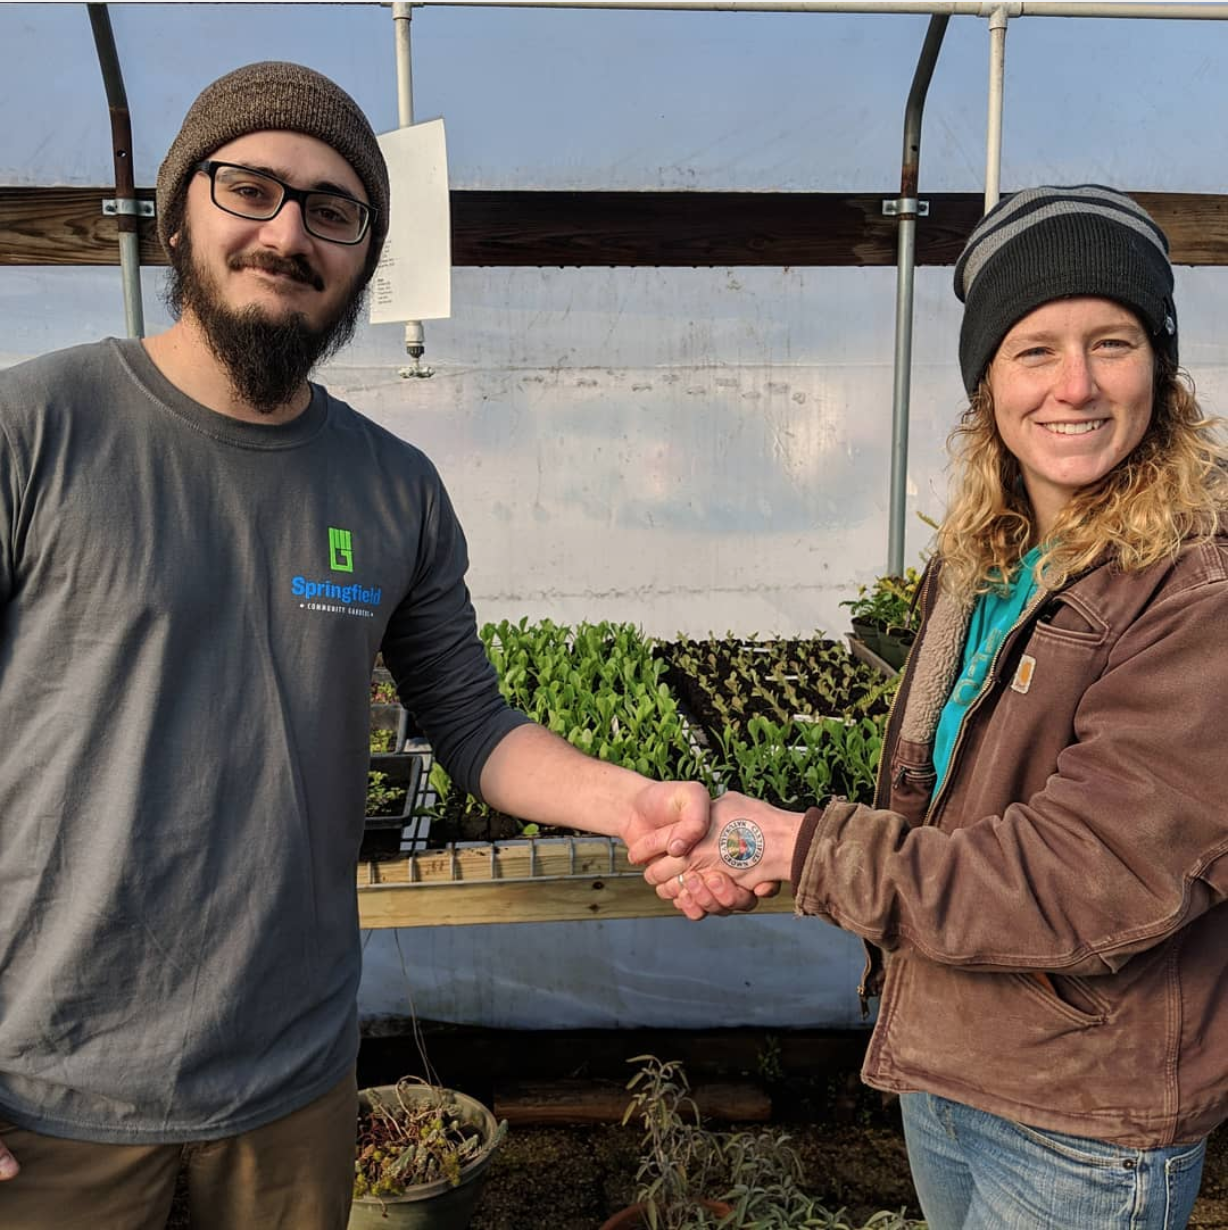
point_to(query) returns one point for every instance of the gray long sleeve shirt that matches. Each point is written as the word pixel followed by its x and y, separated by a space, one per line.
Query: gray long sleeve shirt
pixel 190 606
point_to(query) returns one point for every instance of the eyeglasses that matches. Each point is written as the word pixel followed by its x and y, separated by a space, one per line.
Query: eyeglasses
pixel 259 197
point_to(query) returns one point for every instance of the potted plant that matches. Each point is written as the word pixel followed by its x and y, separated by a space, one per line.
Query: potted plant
pixel 421 1156
pixel 392 788
pixel 680 1162
pixel 389 719
pixel 691 1178
pixel 884 616
pixel 894 644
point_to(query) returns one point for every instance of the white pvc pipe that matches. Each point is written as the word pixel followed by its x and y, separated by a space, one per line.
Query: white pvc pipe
pixel 993 127
pixel 402 14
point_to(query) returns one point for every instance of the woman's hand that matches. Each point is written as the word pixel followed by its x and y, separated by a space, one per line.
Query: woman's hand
pixel 746 853
pixel 669 819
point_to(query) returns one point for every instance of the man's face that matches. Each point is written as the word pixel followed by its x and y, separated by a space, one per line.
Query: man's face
pixel 271 298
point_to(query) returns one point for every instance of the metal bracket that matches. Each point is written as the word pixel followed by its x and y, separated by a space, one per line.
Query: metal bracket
pixel 112 208
pixel 895 206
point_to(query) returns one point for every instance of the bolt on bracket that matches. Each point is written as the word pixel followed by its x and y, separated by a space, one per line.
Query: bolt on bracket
pixel 112 208
pixel 893 207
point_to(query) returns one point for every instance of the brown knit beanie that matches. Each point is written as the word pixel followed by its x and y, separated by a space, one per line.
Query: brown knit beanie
pixel 274 95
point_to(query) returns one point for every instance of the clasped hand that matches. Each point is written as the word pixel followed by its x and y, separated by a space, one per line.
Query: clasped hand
pixel 741 857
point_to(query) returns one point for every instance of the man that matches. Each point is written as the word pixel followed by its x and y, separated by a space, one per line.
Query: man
pixel 200 555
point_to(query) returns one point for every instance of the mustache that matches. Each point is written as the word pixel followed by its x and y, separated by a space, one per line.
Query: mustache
pixel 296 267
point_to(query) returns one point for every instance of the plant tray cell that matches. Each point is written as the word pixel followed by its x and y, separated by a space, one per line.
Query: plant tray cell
pixel 863 653
pixel 402 770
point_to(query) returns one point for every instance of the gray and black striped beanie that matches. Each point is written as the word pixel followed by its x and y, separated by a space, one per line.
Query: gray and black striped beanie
pixel 1053 243
pixel 279 96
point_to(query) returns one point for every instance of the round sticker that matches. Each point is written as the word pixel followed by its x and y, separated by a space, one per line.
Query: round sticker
pixel 741 844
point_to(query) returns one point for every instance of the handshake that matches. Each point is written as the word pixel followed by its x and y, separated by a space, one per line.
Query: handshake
pixel 717 859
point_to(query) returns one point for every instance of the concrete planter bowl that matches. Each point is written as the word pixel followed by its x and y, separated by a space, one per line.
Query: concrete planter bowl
pixel 438 1205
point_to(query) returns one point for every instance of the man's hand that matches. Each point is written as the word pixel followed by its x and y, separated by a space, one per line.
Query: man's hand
pixel 8 1164
pixel 668 819
pixel 745 854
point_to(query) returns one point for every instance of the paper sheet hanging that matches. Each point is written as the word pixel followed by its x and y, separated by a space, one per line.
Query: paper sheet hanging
pixel 413 280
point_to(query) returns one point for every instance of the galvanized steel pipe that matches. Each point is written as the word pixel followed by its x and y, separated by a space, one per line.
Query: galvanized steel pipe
pixel 1191 11
pixel 121 156
pixel 906 214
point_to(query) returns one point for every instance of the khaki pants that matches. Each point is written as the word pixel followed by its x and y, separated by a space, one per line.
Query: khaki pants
pixel 294 1174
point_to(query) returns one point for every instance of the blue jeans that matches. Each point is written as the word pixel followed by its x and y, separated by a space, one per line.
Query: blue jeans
pixel 976 1171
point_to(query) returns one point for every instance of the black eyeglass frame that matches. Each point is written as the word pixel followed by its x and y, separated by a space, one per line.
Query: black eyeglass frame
pixel 211 166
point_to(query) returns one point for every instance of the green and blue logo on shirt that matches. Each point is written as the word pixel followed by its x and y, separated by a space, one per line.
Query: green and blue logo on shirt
pixel 328 596
pixel 340 550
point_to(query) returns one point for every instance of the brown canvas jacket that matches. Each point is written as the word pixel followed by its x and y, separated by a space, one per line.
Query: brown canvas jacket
pixel 1055 938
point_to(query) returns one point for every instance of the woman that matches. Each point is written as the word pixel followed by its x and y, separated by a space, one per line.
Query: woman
pixel 1041 881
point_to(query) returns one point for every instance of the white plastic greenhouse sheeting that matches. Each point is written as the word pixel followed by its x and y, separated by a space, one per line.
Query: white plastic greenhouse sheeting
pixel 769 970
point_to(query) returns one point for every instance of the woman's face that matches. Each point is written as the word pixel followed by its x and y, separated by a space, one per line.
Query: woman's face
pixel 1072 386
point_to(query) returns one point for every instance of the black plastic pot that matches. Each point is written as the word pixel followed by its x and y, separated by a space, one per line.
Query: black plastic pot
pixel 894 646
pixel 382 834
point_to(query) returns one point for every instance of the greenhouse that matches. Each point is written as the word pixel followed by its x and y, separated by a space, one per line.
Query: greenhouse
pixel 668 306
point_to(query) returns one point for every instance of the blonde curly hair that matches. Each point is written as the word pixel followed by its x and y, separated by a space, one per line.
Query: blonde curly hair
pixel 1172 489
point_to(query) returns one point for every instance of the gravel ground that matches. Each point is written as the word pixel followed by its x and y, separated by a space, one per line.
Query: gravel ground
pixel 573 1178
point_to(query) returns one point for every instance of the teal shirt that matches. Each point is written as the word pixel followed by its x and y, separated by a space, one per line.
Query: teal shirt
pixel 994 616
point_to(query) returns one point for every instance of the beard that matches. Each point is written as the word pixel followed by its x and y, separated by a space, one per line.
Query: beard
pixel 266 360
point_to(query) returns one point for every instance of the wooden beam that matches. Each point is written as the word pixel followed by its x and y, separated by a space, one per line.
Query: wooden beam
pixel 560 880
pixel 690 229
pixel 415 905
pixel 65 226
